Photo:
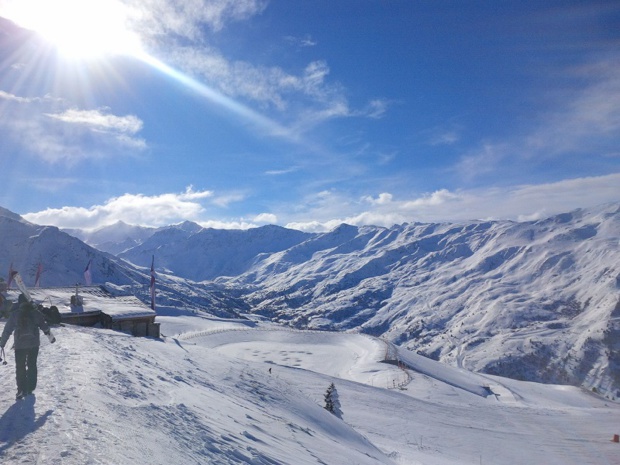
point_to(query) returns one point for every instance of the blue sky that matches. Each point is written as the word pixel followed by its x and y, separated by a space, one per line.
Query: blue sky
pixel 307 113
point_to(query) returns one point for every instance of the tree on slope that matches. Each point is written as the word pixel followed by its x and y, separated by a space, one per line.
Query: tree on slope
pixel 332 402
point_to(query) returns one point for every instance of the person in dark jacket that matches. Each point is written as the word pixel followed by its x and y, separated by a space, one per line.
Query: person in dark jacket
pixel 5 305
pixel 25 321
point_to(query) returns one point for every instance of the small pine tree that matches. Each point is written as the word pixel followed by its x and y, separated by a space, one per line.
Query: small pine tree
pixel 332 402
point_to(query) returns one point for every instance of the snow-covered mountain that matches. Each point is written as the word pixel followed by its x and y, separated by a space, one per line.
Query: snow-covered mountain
pixel 535 300
pixel 64 258
pixel 115 238
pixel 205 254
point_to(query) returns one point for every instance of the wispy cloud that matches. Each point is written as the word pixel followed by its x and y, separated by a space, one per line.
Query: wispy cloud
pixel 100 120
pixel 175 33
pixel 54 184
pixel 584 121
pixel 120 129
pixel 67 135
pixel 588 115
pixel 301 41
pixel 484 159
pixel 282 172
pixel 271 87
pixel 445 138
pixel 14 98
pixel 376 108
pixel 304 99
pixel 186 19
pixel 224 200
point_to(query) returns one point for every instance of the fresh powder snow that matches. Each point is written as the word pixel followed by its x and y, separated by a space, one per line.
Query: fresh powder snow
pixel 227 391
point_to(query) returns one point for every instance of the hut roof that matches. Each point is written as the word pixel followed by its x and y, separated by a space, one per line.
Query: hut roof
pixel 94 299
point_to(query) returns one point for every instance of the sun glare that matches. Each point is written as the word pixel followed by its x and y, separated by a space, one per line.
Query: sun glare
pixel 78 28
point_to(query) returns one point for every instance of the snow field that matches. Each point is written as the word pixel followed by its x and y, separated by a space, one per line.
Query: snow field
pixel 109 398
pixel 440 417
pixel 204 395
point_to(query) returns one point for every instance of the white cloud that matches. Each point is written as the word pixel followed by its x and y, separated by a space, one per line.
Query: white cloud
pixel 313 116
pixel 304 100
pixel 314 77
pixel 97 119
pixel 232 224
pixel 314 226
pixel 327 209
pixel 106 128
pixel 268 218
pixel 519 203
pixel 191 194
pixel 383 199
pixel 384 158
pixel 158 210
pixel 437 198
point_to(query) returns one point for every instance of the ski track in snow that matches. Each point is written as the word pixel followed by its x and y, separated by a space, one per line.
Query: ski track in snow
pixel 206 396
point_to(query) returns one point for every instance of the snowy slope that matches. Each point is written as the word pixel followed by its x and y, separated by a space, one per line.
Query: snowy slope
pixel 115 238
pixel 536 300
pixel 64 258
pixel 206 254
pixel 111 399
pixel 204 395
pixel 190 251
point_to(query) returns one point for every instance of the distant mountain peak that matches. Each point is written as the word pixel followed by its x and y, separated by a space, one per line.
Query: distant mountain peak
pixel 9 214
pixel 188 226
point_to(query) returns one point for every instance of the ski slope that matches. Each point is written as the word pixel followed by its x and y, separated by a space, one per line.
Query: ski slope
pixel 204 395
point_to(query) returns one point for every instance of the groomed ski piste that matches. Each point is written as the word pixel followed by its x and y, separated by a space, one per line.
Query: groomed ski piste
pixel 205 394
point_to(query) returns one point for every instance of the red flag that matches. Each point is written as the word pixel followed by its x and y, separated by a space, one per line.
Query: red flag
pixel 152 287
pixel 11 274
pixel 87 276
pixel 37 279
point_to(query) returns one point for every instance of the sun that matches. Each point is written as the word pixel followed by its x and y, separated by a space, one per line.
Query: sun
pixel 81 29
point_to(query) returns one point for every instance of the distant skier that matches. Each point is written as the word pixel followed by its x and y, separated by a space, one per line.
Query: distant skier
pixel 25 321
